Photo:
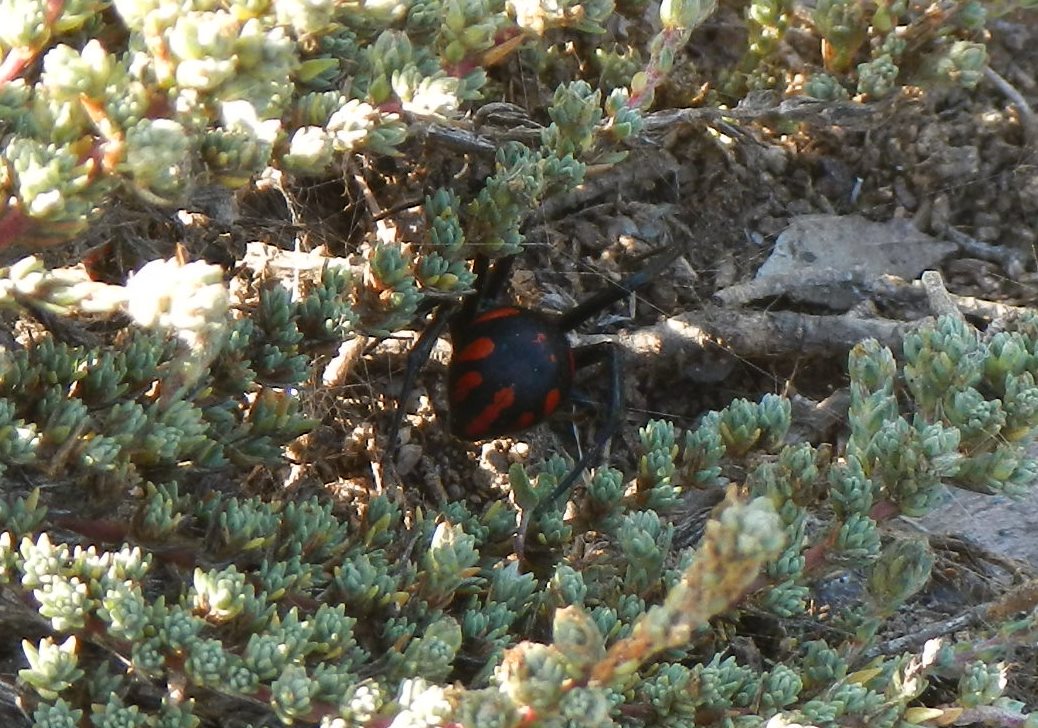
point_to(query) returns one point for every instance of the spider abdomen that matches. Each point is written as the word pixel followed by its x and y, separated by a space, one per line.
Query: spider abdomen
pixel 511 368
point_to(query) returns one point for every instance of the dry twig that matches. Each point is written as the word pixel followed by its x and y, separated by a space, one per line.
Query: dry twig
pixel 1028 120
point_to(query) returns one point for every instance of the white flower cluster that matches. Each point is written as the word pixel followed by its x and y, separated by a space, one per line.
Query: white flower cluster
pixel 189 298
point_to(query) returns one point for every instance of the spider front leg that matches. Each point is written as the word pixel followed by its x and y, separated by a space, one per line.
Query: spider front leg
pixel 490 277
pixel 416 360
pixel 585 356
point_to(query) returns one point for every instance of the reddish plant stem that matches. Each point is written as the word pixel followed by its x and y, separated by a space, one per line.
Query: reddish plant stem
pixel 19 58
pixel 669 39
pixel 13 224
pixel 884 511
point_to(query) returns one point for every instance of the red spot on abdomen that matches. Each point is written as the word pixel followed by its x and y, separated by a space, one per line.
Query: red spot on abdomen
pixel 526 419
pixel 551 401
pixel 495 313
pixel 464 386
pixel 481 348
pixel 503 399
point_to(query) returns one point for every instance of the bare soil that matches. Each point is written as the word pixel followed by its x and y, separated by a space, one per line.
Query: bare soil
pixel 961 165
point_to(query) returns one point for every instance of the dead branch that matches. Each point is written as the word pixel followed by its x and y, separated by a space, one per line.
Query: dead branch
pixel 762 106
pixel 941 302
pixel 689 337
pixel 888 289
pixel 849 281
pixel 1028 120
pixel 1019 599
pixel 1012 261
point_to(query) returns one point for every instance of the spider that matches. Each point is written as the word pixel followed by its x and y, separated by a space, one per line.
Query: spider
pixel 512 367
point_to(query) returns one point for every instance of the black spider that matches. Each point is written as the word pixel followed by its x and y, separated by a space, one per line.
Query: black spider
pixel 512 367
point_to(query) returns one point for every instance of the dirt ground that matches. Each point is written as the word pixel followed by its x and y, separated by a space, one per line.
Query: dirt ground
pixel 961 166
pixel 1001 524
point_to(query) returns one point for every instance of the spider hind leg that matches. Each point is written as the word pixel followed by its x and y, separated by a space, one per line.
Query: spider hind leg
pixel 608 354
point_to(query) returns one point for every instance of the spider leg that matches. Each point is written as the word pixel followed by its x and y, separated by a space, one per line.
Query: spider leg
pixel 497 277
pixel 609 354
pixel 615 291
pixel 416 360
pixel 490 278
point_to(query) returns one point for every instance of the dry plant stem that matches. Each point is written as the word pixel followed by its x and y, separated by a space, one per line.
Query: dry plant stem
pixel 728 560
pixel 892 288
pixel 374 207
pixel 261 257
pixel 1020 599
pixel 989 715
pixel 1011 260
pixel 762 107
pixel 800 109
pixel 941 302
pixel 341 365
pixel 921 634
pixel 1028 120
pixel 670 41
pixel 790 284
pixel 753 334
pixel 57 462
pixel 888 289
pixel 813 421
